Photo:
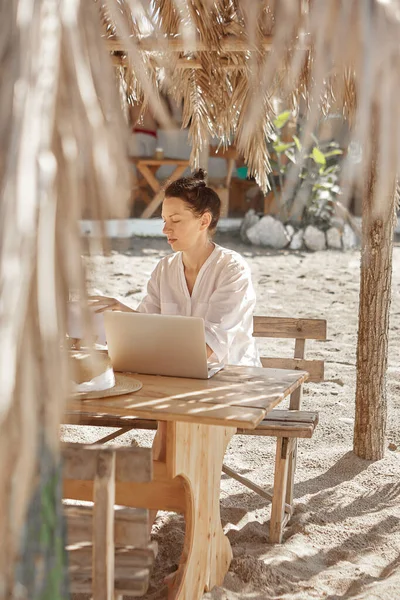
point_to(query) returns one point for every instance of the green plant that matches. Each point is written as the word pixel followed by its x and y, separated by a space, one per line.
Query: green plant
pixel 305 194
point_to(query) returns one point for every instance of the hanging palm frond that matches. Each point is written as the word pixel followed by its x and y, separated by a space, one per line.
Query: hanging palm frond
pixel 316 56
pixel 196 112
pixel 166 13
pixel 62 154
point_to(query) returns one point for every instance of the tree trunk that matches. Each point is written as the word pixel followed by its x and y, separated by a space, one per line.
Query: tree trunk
pixel 375 298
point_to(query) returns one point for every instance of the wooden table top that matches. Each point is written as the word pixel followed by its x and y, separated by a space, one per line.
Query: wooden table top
pixel 235 397
pixel 159 161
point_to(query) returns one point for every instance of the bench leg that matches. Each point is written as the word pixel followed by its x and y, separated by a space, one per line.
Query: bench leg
pixel 290 475
pixel 295 404
pixel 284 449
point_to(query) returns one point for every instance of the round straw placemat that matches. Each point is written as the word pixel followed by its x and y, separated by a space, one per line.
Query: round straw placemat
pixel 123 385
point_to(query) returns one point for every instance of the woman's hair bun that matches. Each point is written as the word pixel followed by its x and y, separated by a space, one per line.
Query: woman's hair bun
pixel 200 175
pixel 194 191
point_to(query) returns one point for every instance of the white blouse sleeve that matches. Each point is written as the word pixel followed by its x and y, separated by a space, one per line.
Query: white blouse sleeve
pixel 230 309
pixel 151 302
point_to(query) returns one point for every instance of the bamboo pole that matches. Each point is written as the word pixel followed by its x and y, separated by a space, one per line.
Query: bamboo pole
pixel 165 44
pixel 183 63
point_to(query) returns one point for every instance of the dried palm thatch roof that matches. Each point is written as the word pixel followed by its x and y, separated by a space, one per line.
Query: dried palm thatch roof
pixel 226 59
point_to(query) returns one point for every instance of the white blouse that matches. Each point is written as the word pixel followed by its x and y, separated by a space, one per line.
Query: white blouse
pixel 223 295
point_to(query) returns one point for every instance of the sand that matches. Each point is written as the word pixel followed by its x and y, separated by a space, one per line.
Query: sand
pixel 344 538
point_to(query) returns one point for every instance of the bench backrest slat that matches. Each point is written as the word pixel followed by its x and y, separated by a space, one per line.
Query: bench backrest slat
pixel 300 330
pixel 283 327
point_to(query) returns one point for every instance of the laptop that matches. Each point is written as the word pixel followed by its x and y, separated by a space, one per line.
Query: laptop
pixel 158 345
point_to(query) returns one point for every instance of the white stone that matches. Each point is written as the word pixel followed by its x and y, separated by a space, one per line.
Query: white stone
pixel 334 238
pixel 314 238
pixel 253 235
pixel 290 230
pixel 297 240
pixel 349 238
pixel 269 232
pixel 250 219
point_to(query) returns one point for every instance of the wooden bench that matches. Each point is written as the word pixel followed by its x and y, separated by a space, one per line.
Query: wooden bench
pixel 286 425
pixel 110 553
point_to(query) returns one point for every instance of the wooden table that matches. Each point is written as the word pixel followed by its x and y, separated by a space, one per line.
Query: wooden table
pixel 148 167
pixel 201 417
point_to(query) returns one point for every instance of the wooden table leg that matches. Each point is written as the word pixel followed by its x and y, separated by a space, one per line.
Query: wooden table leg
pixel 231 165
pixel 195 453
pixel 134 189
pixel 153 205
pixel 149 175
pixel 147 180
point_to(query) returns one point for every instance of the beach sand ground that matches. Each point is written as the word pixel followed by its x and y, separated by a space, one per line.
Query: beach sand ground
pixel 343 541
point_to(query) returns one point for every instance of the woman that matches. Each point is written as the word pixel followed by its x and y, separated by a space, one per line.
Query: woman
pixel 201 279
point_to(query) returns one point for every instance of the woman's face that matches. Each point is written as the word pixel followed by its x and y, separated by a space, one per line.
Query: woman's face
pixel 183 228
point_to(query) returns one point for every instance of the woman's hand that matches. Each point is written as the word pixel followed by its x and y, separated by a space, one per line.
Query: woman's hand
pixel 102 303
